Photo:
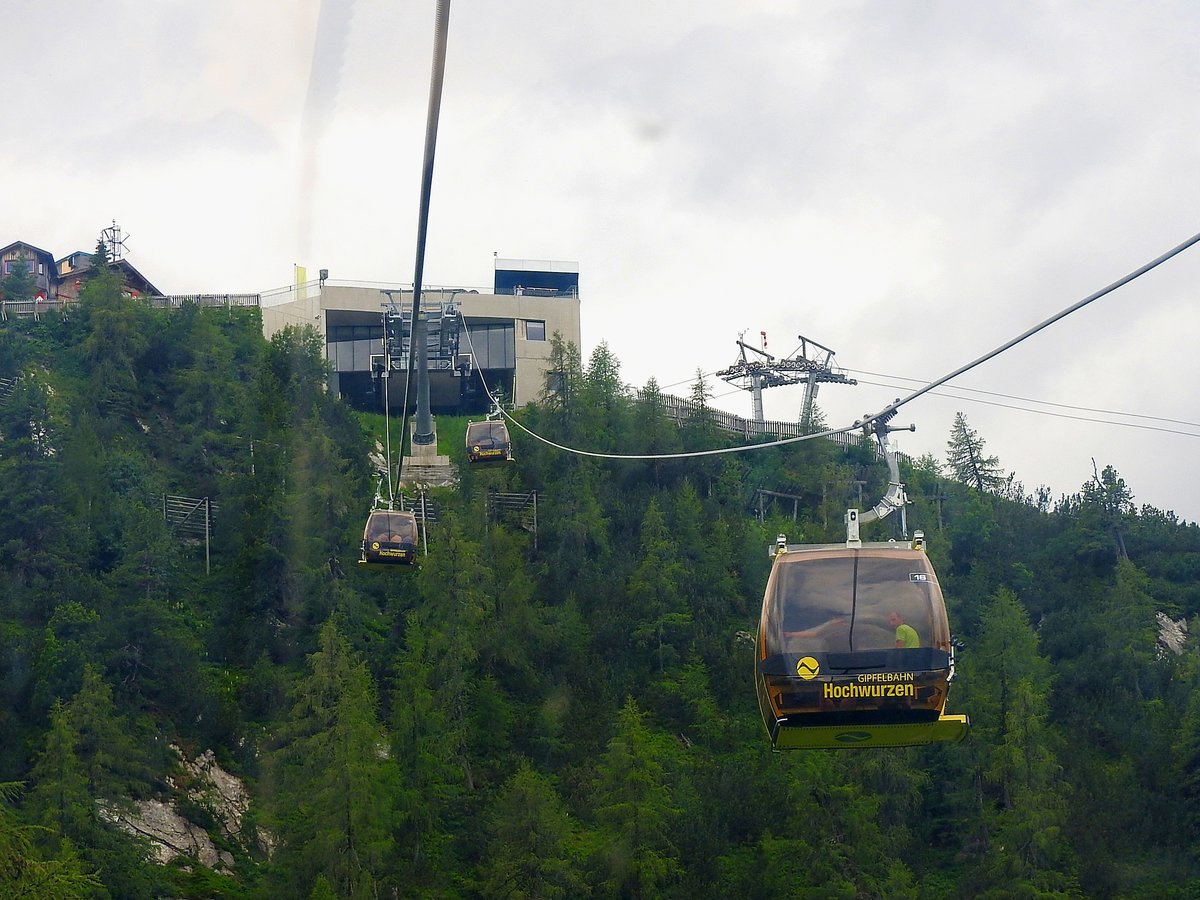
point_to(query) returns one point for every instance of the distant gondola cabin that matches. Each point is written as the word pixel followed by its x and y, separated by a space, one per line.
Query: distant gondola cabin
pixel 488 442
pixel 389 538
pixel 854 649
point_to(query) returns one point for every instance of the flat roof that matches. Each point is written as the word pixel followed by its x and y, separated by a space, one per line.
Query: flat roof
pixel 537 265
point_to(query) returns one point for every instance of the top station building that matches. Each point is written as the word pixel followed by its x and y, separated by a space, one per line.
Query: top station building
pixel 500 339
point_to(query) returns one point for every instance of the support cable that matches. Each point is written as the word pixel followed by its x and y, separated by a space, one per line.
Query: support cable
pixel 594 454
pixel 1073 407
pixel 870 421
pixel 1056 415
pixel 1121 282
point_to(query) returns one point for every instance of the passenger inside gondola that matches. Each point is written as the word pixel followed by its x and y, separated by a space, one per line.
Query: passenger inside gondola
pixel 906 635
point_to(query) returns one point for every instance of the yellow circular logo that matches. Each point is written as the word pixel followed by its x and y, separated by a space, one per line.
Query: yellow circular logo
pixel 375 545
pixel 808 668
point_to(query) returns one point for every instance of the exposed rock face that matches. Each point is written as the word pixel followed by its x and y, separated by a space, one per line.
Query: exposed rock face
pixel 379 460
pixel 216 789
pixel 171 835
pixel 1171 634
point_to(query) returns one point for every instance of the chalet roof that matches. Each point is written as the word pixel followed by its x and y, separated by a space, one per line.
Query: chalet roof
pixel 134 278
pixel 45 254
pixel 131 276
pixel 63 259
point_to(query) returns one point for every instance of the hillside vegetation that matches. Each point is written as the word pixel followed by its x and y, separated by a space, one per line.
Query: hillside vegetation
pixel 567 717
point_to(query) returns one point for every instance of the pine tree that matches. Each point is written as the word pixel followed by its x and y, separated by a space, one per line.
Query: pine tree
pixel 1186 767
pixel 652 427
pixel 635 812
pixel 102 258
pixel 19 285
pixel 1108 493
pixel 700 538
pixel 1022 808
pixel 604 401
pixel 336 782
pixel 564 381
pixel 114 763
pixel 427 736
pixel 966 459
pixel 661 619
pixel 531 850
pixel 112 349
pixel 700 419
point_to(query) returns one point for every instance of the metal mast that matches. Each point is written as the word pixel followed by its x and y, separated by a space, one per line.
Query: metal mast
pixel 818 366
pixel 806 365
pixel 423 433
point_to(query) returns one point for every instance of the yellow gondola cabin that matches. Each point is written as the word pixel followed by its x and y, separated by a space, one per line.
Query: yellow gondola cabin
pixel 854 648
pixel 389 539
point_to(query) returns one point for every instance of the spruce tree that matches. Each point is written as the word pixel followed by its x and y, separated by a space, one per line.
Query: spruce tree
pixel 635 812
pixel 966 459
pixel 335 782
pixel 531 845
pixel 19 285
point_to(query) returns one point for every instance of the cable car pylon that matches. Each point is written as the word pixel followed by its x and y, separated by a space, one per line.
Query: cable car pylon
pixel 810 364
pixel 424 437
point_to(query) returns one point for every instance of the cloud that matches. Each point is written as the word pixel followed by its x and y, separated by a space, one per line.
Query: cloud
pixel 910 183
pixel 157 140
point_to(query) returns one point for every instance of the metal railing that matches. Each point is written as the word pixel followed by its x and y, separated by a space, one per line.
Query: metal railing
pixel 682 410
pixel 174 301
pixel 424 507
pixel 193 516
pixel 519 508
pixel 22 309
pixel 28 308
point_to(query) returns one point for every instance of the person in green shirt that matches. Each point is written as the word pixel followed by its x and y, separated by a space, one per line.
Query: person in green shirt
pixel 906 635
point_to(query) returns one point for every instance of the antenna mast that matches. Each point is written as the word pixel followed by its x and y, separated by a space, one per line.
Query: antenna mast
pixel 114 240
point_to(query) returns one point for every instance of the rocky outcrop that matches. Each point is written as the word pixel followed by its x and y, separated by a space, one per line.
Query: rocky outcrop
pixel 170 834
pixel 202 783
pixel 1172 633
pixel 218 791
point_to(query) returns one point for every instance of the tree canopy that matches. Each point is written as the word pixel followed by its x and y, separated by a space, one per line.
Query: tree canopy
pixel 561 714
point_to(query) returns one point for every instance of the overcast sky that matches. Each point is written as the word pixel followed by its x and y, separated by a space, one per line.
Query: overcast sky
pixel 909 183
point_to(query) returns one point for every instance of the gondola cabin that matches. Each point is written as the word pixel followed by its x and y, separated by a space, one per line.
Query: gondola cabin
pixel 389 539
pixel 854 648
pixel 488 442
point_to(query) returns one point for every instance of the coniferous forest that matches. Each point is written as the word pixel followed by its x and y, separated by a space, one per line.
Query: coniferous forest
pixel 567 717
